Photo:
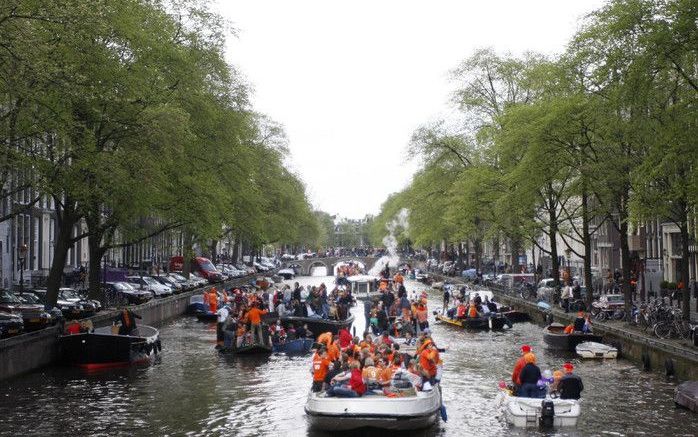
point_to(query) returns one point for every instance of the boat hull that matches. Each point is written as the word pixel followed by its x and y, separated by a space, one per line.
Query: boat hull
pixel 318 326
pixel 298 346
pixel 253 349
pixel 480 323
pixel 101 349
pixel 686 395
pixel 395 414
pixel 206 316
pixel 526 412
pixel 554 339
pixel 592 350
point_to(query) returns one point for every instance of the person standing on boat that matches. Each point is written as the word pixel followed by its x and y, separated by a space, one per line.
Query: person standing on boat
pixel 530 374
pixel 222 315
pixel 447 299
pixel 254 316
pixel 321 365
pixel 520 363
pixel 213 300
pixel 570 386
pixel 128 321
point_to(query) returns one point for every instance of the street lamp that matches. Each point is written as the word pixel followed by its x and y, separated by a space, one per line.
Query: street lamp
pixel 21 256
pixel 568 253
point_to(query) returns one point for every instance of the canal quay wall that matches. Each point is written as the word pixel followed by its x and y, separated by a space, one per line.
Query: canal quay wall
pixel 650 353
pixel 34 350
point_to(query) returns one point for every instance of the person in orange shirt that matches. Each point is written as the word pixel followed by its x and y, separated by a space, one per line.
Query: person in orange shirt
pixel 427 362
pixel 321 365
pixel 472 311
pixel 325 338
pixel 213 300
pixel 254 316
pixel 385 374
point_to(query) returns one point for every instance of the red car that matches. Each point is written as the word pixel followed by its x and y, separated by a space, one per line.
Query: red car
pixel 202 265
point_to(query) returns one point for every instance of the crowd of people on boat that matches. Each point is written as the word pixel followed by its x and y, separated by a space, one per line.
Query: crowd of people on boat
pixel 346 366
pixel 410 313
pixel 530 382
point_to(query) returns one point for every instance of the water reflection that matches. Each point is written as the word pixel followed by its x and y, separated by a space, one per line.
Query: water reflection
pixel 196 392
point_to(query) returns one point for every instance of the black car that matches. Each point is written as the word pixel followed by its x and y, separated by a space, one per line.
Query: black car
pixel 10 324
pixel 70 304
pixel 31 298
pixel 33 315
pixel 125 292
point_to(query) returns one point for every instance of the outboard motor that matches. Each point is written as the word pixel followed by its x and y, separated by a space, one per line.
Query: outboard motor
pixel 547 415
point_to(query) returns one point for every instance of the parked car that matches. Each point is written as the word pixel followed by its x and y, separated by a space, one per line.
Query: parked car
pixel 10 324
pixel 128 292
pixel 166 280
pixel 31 298
pixel 187 284
pixel 200 265
pixel 546 289
pixel 72 308
pixel 200 280
pixel 89 306
pixel 34 316
pixel 149 284
pixel 260 267
pixel 288 256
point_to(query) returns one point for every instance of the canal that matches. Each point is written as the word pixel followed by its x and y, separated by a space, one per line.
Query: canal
pixel 194 391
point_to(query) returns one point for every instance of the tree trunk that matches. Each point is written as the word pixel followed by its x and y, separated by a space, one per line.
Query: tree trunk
pixel 478 254
pixel 552 235
pixel 685 259
pixel 65 221
pixel 625 263
pixel 586 240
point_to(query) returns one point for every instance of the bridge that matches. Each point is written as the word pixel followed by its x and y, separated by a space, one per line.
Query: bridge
pixel 306 265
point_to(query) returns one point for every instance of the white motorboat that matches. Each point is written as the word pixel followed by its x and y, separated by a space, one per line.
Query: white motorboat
pixel 592 349
pixel 363 286
pixel 287 273
pixel 375 411
pixel 527 412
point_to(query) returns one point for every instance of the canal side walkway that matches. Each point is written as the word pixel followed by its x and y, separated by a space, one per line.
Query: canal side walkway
pixel 34 350
pixel 673 357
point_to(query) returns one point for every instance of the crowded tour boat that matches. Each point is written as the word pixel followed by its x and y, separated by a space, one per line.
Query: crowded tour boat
pixel 545 399
pixel 375 383
pixel 471 310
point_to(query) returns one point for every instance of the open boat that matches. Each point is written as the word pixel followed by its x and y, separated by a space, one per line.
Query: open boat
pixel 686 395
pixel 103 349
pixel 496 322
pixel 206 316
pixel 374 410
pixel 527 412
pixel 363 286
pixel 555 337
pixel 318 325
pixel 591 349
pixel 297 346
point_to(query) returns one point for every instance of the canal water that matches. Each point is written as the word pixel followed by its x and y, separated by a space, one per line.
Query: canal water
pixel 194 391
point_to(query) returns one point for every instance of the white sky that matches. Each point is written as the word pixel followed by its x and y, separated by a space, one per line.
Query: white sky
pixel 351 80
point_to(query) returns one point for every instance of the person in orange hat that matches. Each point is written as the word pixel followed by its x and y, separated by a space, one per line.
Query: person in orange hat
pixel 570 385
pixel 529 376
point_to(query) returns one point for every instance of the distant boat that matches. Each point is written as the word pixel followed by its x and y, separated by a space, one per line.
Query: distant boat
pixel 287 273
pixel 104 349
pixel 252 349
pixel 496 322
pixel 555 337
pixel 317 325
pixel 591 349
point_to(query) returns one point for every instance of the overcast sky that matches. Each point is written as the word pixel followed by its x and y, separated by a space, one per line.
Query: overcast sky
pixel 351 80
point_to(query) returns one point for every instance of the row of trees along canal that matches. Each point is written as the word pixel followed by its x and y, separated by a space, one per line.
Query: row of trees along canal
pixel 544 146
pixel 126 114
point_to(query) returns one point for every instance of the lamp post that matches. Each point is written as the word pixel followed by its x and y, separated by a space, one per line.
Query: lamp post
pixel 568 254
pixel 21 256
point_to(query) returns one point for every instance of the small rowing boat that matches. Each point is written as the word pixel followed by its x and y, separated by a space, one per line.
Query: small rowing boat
pixel 591 350
pixel 103 348
pixel 686 395
pixel 555 337
pixel 496 322
pixel 539 413
pixel 318 325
